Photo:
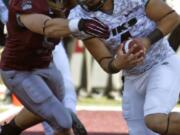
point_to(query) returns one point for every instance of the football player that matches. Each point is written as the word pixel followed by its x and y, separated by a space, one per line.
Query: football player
pixel 61 61
pixel 137 45
pixel 26 62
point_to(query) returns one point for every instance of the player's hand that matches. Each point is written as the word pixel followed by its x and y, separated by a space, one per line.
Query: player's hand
pixel 92 27
pixel 129 59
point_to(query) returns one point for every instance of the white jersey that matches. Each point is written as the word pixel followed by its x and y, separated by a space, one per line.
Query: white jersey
pixel 128 20
pixel 3 12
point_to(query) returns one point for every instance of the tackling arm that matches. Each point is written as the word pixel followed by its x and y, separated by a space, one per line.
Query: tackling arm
pixel 43 24
pixel 59 27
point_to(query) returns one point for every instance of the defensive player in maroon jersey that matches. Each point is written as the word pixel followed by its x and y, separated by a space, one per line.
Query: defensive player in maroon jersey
pixel 26 66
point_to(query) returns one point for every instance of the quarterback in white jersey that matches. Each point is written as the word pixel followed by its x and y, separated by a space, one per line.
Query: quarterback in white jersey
pixel 152 74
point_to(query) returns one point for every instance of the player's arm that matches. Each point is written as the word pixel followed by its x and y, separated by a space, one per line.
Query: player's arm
pixel 58 27
pixel 110 63
pixel 164 16
pixel 45 25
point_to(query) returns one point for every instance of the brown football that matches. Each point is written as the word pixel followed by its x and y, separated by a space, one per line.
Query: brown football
pixel 129 43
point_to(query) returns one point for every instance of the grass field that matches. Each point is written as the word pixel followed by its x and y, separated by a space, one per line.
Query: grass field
pixel 3 110
pixel 100 101
pixel 103 101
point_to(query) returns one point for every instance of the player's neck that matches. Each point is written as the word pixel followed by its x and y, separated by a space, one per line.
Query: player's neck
pixel 108 7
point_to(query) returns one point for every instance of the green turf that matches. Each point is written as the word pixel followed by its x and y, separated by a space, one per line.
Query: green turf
pixel 3 110
pixel 102 101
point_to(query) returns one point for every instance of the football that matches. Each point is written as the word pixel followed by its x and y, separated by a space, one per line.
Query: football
pixel 130 43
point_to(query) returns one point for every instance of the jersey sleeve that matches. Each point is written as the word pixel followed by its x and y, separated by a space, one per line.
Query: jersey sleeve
pixel 28 6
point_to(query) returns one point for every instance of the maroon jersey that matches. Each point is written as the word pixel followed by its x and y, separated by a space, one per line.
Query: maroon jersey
pixel 26 50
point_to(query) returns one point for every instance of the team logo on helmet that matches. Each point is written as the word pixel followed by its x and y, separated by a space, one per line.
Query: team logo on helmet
pixel 26 5
pixel 84 4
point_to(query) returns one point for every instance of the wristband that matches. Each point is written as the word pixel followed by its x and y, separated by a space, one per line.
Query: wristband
pixel 74 25
pixel 103 58
pixel 155 36
pixel 111 68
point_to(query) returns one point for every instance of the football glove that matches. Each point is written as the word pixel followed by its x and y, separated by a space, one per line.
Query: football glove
pixel 92 27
